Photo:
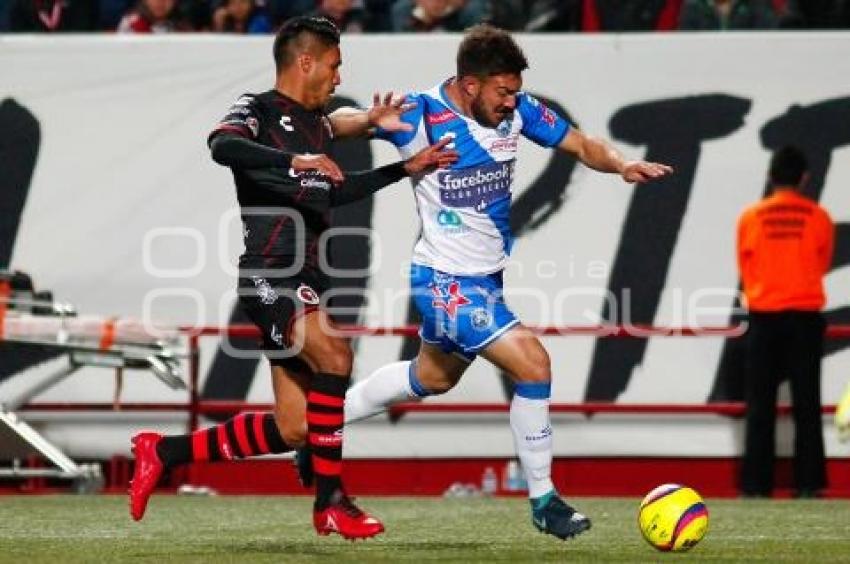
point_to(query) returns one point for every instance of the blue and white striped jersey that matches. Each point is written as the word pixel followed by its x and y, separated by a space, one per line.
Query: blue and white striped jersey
pixel 465 210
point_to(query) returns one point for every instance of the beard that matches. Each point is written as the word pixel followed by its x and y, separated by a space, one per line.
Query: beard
pixel 480 114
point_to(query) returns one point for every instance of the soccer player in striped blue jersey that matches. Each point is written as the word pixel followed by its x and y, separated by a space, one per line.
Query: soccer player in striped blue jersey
pixel 465 240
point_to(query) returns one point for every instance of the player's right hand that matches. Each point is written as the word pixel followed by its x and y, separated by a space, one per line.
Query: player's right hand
pixel 431 158
pixel 322 164
pixel 386 112
pixel 641 171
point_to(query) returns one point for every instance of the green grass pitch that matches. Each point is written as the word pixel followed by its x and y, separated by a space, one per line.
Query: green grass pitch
pixel 61 529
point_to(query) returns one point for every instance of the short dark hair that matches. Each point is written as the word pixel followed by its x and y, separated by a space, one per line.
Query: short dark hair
pixel 488 50
pixel 787 166
pixel 291 32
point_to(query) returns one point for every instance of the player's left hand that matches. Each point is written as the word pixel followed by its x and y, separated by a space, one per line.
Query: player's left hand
pixel 386 112
pixel 642 171
pixel 431 158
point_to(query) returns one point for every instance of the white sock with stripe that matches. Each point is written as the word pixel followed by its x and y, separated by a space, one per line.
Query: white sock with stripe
pixel 390 384
pixel 533 435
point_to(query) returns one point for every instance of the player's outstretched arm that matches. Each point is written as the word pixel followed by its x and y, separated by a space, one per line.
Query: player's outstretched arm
pixel 359 185
pixel 385 113
pixel 431 158
pixel 599 155
pixel 236 151
pixel 321 163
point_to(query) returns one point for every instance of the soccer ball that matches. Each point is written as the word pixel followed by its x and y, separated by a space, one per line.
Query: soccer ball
pixel 842 416
pixel 673 517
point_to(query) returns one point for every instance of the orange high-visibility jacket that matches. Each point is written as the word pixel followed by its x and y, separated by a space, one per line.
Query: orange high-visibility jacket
pixel 785 244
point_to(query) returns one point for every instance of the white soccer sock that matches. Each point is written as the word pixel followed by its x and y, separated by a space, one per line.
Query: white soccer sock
pixel 533 435
pixel 389 384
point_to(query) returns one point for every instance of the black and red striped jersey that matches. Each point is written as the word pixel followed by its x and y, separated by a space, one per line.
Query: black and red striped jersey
pixel 283 212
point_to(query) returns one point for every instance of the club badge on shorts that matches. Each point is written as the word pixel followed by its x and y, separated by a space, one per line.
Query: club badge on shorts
pixel 307 295
pixel 481 319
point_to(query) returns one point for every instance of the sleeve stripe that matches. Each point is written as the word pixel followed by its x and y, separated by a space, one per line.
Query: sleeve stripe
pixel 243 131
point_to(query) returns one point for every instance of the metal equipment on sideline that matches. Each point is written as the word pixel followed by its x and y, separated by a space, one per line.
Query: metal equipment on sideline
pixel 33 319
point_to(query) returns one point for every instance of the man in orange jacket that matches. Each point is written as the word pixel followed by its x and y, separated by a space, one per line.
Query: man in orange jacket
pixel 784 248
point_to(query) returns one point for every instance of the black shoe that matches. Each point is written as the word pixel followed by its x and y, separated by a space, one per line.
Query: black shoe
pixel 808 493
pixel 559 519
pixel 303 463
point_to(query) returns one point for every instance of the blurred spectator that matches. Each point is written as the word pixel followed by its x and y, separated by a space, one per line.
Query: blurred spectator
pixel 537 15
pixel 5 7
pixel 153 16
pixel 727 14
pixel 438 15
pixel 787 13
pixel 240 16
pixel 282 10
pixel 111 12
pixel 53 15
pixel 553 15
pixel 510 14
pixel 193 13
pixel 347 17
pixel 379 15
pixel 636 15
pixel 815 14
pixel 197 14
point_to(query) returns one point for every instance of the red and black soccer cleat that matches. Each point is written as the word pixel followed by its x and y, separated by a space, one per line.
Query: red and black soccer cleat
pixel 346 519
pixel 146 475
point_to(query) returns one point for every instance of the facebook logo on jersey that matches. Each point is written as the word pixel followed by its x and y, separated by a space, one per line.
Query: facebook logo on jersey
pixel 476 187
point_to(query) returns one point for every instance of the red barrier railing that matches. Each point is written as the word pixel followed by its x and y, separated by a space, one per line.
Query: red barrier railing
pixel 222 407
pixel 196 407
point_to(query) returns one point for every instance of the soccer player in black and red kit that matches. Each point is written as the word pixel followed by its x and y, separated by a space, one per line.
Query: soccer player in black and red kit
pixel 276 143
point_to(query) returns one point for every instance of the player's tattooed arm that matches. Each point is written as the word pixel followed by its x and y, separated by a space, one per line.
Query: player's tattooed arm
pixel 599 155
pixel 385 113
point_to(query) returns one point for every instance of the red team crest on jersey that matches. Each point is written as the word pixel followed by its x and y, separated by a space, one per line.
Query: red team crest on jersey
pixel 307 295
pixel 449 303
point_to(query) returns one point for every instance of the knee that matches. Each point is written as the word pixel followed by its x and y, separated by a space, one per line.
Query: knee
pixel 538 367
pixel 437 386
pixel 293 432
pixel 435 380
pixel 335 358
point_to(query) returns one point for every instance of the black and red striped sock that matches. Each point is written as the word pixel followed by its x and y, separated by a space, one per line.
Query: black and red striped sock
pixel 324 432
pixel 247 434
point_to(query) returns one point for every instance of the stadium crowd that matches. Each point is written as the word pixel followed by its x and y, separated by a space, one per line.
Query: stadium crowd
pixel 358 16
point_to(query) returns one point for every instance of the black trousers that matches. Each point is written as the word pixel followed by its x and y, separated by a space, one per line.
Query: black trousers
pixel 779 345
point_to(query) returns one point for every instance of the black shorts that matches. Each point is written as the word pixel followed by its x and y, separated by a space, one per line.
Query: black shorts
pixel 274 304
